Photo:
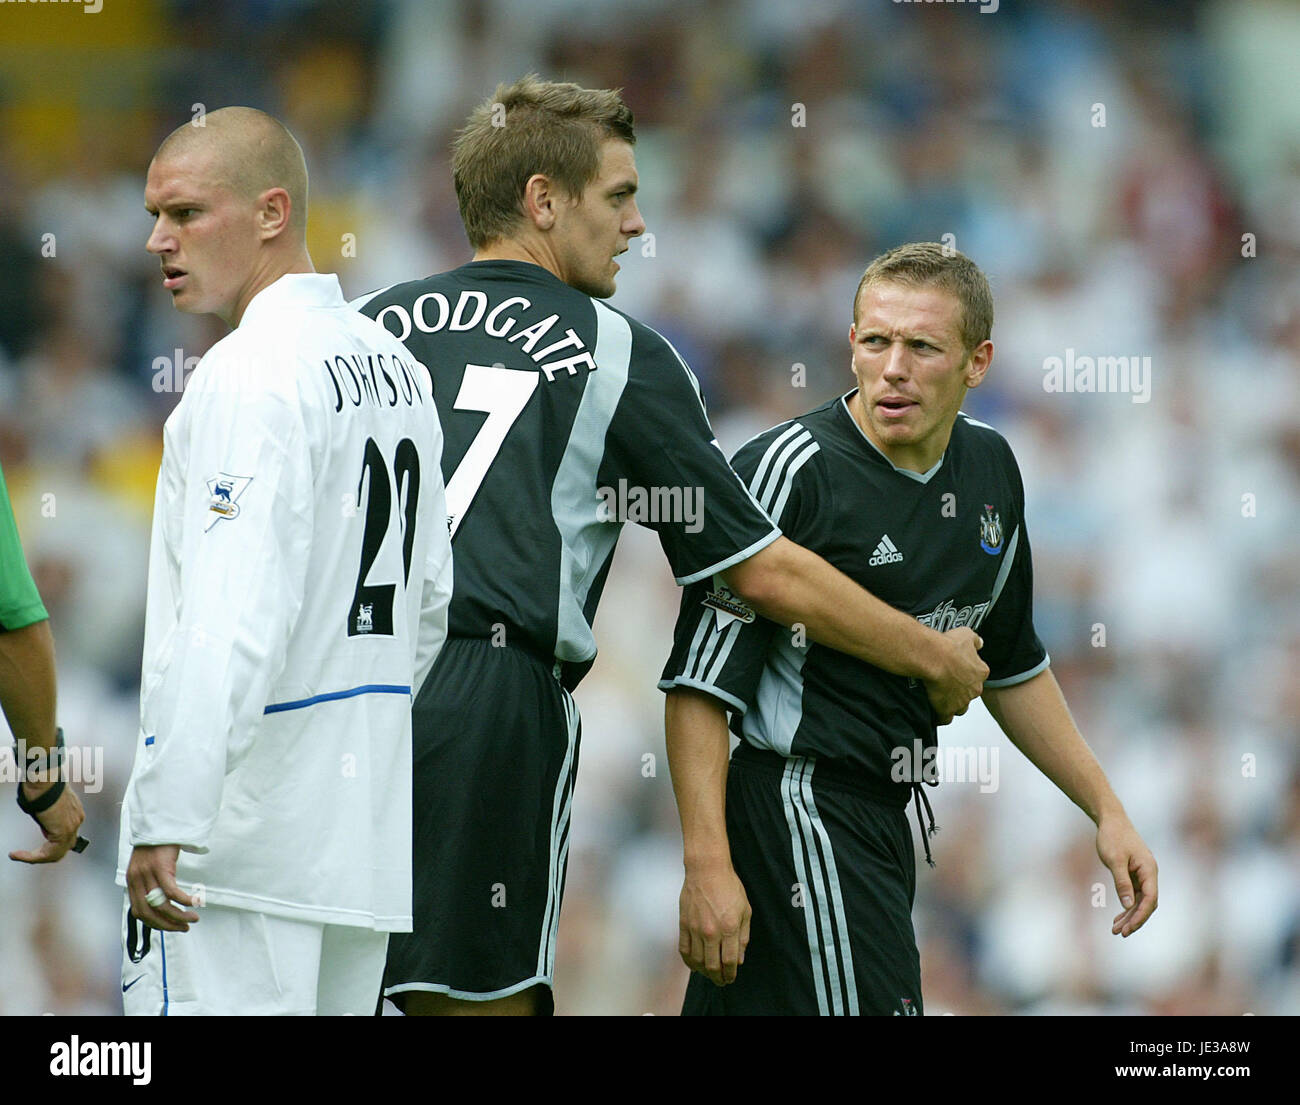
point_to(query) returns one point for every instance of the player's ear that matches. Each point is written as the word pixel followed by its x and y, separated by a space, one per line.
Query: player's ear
pixel 273 210
pixel 539 201
pixel 977 365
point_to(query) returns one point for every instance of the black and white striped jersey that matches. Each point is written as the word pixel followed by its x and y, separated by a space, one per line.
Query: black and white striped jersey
pixel 947 546
pixel 562 418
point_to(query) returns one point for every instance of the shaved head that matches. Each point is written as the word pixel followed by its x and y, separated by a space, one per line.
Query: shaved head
pixel 229 204
pixel 247 152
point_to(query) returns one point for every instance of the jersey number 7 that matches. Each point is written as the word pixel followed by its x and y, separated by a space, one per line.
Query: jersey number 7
pixel 502 393
pixel 371 611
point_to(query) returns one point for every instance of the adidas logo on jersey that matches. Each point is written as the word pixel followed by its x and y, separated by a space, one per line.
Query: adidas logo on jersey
pixel 886 553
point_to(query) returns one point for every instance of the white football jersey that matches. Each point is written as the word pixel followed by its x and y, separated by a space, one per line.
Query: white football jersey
pixel 299 577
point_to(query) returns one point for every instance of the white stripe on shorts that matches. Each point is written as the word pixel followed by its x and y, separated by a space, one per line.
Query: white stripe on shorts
pixel 823 902
pixel 560 811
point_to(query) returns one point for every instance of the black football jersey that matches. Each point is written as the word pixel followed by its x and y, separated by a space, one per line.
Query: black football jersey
pixel 947 546
pixel 562 418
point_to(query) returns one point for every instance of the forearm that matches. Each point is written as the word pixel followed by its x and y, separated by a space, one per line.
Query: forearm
pixel 698 746
pixel 789 584
pixel 1036 720
pixel 27 683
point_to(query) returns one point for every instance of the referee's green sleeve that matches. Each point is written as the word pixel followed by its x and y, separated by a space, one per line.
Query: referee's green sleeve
pixel 20 602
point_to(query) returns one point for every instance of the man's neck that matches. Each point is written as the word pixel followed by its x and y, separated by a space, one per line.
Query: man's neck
pixel 297 263
pixel 512 249
pixel 913 460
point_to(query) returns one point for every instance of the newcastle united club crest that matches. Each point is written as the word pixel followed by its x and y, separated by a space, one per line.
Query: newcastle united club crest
pixel 990 531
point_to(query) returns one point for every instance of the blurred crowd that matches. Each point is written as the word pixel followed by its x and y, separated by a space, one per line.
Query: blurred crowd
pixel 1128 175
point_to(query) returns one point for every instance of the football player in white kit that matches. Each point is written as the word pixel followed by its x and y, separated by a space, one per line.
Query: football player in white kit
pixel 299 578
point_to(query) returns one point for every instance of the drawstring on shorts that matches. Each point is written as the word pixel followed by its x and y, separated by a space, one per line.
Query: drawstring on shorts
pixel 918 796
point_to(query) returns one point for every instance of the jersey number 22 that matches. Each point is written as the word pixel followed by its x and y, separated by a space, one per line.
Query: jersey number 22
pixel 371 611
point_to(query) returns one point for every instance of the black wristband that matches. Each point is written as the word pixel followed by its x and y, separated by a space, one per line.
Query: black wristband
pixel 41 802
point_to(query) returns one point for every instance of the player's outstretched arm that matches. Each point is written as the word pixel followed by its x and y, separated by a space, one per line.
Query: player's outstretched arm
pixel 1035 718
pixel 788 583
pixel 714 910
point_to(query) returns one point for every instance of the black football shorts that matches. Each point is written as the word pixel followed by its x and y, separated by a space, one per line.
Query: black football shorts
pixel 495 741
pixel 830 874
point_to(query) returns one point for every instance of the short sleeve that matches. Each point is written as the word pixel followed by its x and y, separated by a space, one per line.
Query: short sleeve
pixel 20 602
pixel 720 645
pixel 1012 648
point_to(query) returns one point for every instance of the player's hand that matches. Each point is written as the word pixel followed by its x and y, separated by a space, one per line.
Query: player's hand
pixel 1134 870
pixel 961 675
pixel 714 922
pixel 155 866
pixel 59 824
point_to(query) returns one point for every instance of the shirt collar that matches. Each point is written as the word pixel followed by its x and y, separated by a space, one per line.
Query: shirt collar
pixel 919 477
pixel 296 289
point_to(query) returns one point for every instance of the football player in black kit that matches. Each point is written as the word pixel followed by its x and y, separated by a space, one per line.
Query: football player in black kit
pixel 799 860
